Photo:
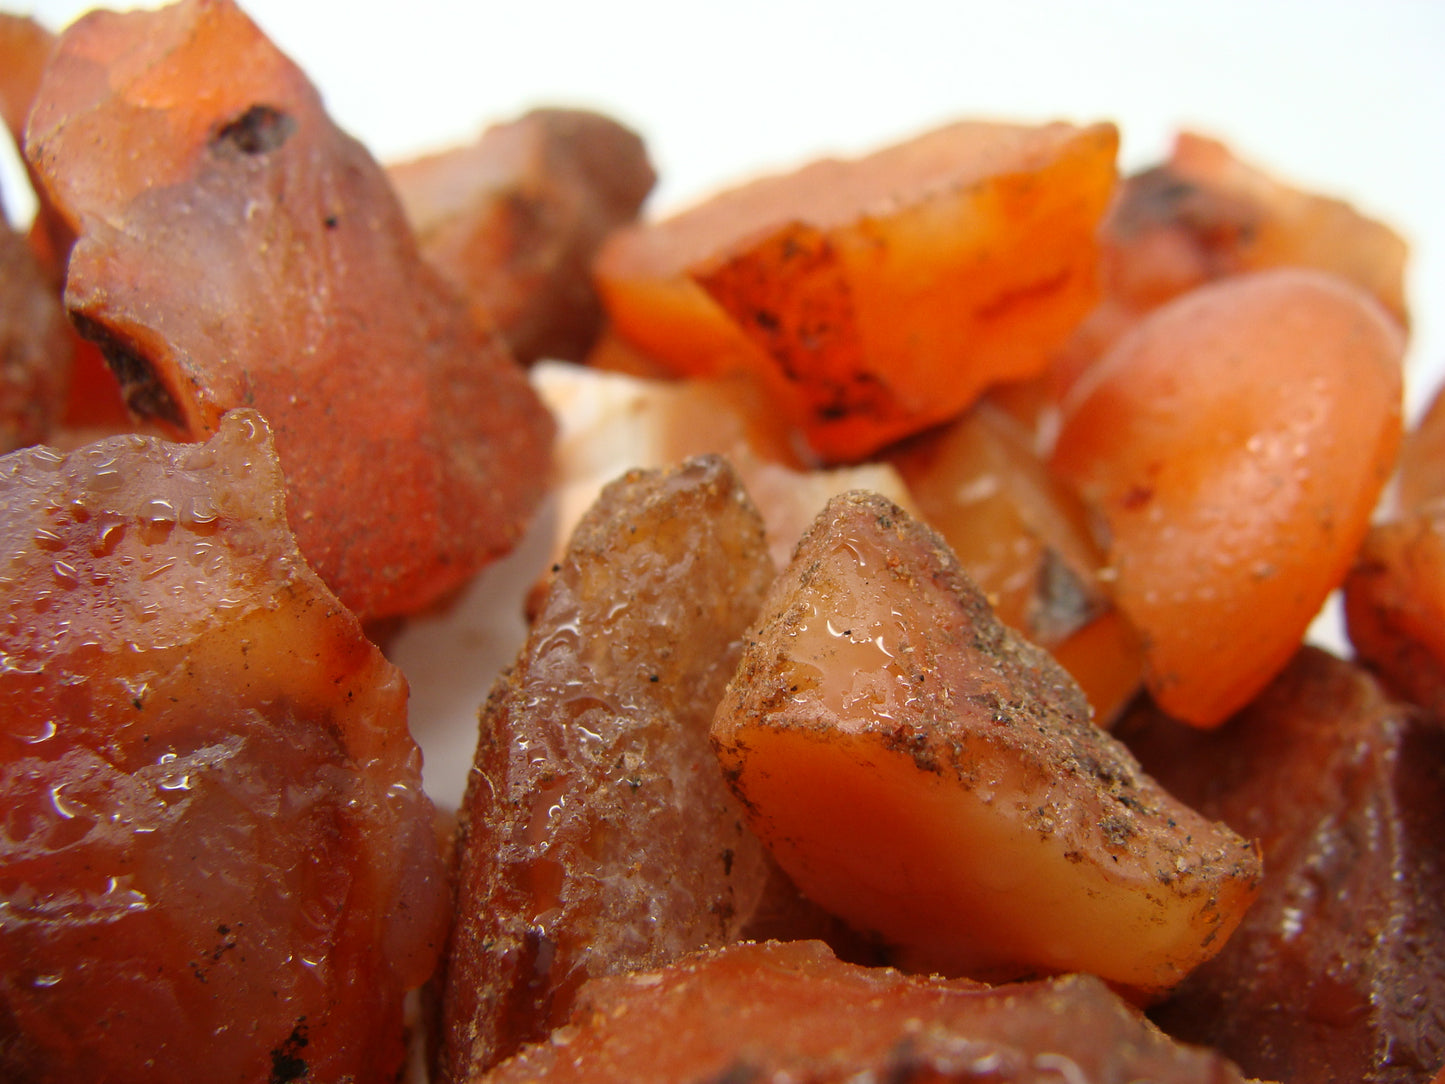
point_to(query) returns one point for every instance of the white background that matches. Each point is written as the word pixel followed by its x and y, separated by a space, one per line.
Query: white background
pixel 1346 98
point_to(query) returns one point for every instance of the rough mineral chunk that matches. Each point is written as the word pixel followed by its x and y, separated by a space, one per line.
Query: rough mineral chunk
pixel 237 249
pixel 1337 974
pixel 1422 457
pixel 1233 446
pixel 515 219
pixel 876 296
pixel 1205 214
pixel 1394 602
pixel 216 860
pixel 927 774
pixel 25 49
pixel 35 347
pixel 597 833
pixel 791 1012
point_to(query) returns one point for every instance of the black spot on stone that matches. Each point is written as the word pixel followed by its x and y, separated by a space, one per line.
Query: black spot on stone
pixel 259 130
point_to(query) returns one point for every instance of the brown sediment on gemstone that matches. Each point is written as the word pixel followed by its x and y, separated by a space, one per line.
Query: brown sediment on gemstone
pixel 597 834
pixel 935 779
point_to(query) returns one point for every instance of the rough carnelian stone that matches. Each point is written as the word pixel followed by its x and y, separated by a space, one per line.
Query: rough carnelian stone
pixel 877 296
pixel 597 832
pixel 1205 214
pixel 25 47
pixel 237 249
pixel 791 1012
pixel 216 859
pixel 927 774
pixel 1422 457
pixel 1337 974
pixel 515 218
pixel 35 347
pixel 1394 601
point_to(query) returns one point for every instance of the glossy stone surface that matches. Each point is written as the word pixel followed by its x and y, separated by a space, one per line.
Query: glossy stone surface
pixel 597 832
pixel 1338 971
pixel 927 774
pixel 216 860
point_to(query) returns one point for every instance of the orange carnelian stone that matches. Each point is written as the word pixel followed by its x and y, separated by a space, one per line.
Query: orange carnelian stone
pixel 1422 457
pixel 924 772
pixel 216 862
pixel 792 1012
pixel 515 218
pixel 36 351
pixel 1395 593
pixel 877 296
pixel 1205 214
pixel 237 249
pixel 25 46
pixel 1234 446
pixel 597 834
pixel 25 49
pixel 1338 971
pixel 1395 605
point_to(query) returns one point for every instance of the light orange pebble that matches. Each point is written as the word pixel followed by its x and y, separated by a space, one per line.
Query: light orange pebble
pixel 1234 445
pixel 932 778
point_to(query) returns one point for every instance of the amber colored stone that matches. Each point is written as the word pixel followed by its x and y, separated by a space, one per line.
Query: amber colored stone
pixel 36 352
pixel 1394 603
pixel 597 834
pixel 927 774
pixel 1422 457
pixel 216 859
pixel 791 1012
pixel 1337 974
pixel 876 296
pixel 1206 214
pixel 515 219
pixel 237 249
pixel 25 47
pixel 49 377
pixel 1233 447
